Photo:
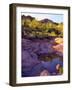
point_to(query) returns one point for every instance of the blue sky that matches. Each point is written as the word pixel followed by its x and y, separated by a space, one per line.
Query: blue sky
pixel 39 16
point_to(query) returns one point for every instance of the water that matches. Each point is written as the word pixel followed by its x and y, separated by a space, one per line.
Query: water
pixel 39 55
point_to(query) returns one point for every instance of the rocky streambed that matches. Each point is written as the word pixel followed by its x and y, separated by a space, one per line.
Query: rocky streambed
pixel 39 58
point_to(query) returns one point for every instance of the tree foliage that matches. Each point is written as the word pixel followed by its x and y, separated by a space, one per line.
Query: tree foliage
pixel 43 29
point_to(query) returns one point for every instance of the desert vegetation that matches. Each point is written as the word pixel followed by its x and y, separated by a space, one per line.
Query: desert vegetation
pixel 43 28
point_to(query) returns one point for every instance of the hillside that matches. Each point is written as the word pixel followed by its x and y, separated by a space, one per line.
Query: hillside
pixel 43 28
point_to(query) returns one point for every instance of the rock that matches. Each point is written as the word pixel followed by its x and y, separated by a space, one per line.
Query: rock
pixel 31 63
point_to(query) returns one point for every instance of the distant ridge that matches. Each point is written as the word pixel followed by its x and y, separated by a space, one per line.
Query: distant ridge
pixel 27 17
pixel 46 20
